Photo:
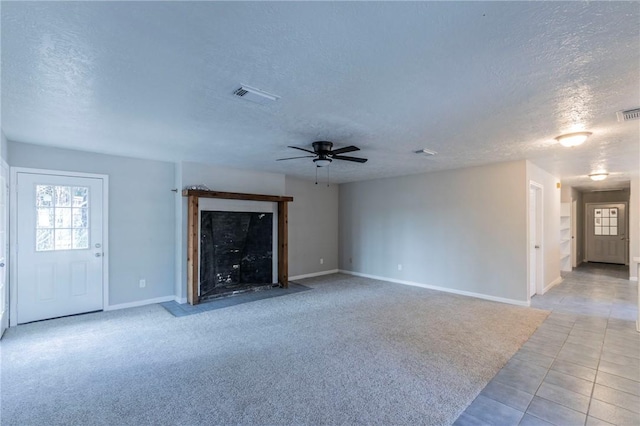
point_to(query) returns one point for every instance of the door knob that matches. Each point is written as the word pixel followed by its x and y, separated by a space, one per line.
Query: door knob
pixel 98 254
pixel 537 246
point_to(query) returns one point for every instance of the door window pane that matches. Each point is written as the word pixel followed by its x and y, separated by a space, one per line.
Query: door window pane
pixel 44 218
pixel 63 196
pixel 80 238
pixel 62 239
pixel 62 217
pixel 605 221
pixel 44 195
pixel 80 218
pixel 80 196
pixel 44 239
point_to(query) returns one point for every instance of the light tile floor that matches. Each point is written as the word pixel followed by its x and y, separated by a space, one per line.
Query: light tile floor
pixel 580 367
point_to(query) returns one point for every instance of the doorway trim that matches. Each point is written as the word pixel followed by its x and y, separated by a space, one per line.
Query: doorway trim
pixel 5 269
pixel 13 233
pixel 539 284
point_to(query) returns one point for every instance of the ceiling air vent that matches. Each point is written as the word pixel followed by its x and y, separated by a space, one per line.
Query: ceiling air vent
pixel 630 114
pixel 255 95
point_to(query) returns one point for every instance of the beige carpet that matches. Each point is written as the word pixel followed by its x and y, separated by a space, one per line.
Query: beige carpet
pixel 350 351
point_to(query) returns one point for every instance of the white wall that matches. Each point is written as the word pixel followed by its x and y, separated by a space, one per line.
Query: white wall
pixel 313 227
pixel 141 216
pixel 550 221
pixel 462 230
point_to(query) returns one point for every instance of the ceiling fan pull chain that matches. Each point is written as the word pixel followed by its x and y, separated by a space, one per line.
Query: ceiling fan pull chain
pixel 316 175
pixel 328 167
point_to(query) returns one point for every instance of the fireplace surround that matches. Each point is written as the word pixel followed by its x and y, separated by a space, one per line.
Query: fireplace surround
pixel 277 205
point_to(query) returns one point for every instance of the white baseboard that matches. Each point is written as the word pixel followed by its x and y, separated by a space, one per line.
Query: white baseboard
pixel 443 289
pixel 314 274
pixel 552 284
pixel 179 300
pixel 140 303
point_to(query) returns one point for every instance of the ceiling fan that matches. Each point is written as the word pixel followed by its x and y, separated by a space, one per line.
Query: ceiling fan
pixel 323 153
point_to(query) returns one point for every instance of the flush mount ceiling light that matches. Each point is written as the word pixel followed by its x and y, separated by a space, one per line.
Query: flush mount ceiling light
pixel 599 176
pixel 573 139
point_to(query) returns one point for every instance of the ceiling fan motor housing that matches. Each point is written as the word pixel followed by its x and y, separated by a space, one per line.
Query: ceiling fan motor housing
pixel 322 147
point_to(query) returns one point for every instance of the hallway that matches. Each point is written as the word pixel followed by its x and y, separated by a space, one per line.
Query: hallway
pixel 581 366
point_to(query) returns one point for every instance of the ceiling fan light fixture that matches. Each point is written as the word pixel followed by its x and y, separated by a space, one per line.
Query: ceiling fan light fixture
pixel 598 176
pixel 573 139
pixel 321 162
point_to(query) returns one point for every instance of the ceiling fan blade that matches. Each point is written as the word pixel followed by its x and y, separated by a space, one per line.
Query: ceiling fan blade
pixel 345 150
pixel 293 158
pixel 347 158
pixel 302 149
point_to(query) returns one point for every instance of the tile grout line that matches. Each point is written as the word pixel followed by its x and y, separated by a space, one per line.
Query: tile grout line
pixel 545 375
pixel 595 378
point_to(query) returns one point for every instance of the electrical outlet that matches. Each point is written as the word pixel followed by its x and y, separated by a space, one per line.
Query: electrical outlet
pixel 321 261
pixel 143 283
pixel 399 266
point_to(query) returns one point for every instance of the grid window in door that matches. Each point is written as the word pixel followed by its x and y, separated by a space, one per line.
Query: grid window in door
pixel 62 217
pixel 605 221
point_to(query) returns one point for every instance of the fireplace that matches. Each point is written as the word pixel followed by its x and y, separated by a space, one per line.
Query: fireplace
pixel 236 252
pixel 206 200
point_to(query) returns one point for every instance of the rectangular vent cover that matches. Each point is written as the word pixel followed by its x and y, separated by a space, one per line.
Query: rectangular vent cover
pixel 240 92
pixel 255 95
pixel 630 114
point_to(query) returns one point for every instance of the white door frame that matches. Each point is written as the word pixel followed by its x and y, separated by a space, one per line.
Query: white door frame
pixel 574 233
pixel 539 284
pixel 5 268
pixel 13 231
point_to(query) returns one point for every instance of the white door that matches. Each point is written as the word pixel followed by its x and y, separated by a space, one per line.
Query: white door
pixel 606 233
pixel 535 237
pixel 59 254
pixel 4 225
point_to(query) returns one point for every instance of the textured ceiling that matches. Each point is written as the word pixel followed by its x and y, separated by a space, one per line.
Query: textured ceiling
pixel 477 82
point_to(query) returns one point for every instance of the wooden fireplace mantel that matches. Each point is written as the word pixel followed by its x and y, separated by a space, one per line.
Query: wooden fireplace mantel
pixel 193 256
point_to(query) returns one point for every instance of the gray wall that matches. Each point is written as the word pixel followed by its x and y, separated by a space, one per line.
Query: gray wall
pixel 550 221
pixel 606 197
pixel 313 227
pixel 141 216
pixel 459 229
pixel 3 146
